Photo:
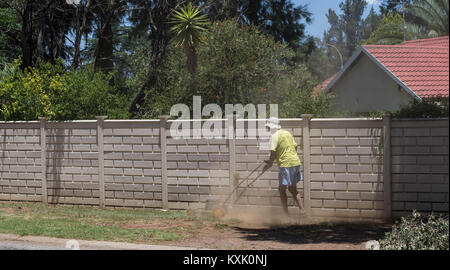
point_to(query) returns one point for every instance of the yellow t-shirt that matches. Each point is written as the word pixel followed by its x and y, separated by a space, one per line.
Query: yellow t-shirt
pixel 285 147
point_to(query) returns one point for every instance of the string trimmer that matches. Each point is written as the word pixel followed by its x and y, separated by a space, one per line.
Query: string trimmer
pixel 221 210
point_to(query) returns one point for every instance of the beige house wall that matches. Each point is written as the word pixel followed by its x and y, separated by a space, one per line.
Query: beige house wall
pixel 365 87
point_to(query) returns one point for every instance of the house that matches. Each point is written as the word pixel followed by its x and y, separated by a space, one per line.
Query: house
pixel 386 77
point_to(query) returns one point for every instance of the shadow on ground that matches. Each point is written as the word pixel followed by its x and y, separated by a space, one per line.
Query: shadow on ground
pixel 314 234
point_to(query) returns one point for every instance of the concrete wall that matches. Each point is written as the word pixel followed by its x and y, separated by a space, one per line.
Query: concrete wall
pixel 364 88
pixel 72 163
pixel 346 169
pixel 419 166
pixel 20 160
pixel 132 163
pixel 129 164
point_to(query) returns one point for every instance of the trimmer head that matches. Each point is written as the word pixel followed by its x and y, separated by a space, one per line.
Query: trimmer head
pixel 219 212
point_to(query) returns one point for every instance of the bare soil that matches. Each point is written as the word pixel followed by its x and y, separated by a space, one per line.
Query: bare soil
pixel 259 231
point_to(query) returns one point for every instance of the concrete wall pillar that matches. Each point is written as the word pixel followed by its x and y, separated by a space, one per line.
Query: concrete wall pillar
pixel 230 128
pixel 307 163
pixel 163 141
pixel 101 160
pixel 43 121
pixel 387 168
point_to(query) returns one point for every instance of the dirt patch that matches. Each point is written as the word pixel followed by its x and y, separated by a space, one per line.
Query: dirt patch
pixel 270 230
pixel 12 210
pixel 293 237
pixel 158 225
pixel 7 210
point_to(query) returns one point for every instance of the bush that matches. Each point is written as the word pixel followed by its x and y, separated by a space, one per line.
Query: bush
pixel 51 91
pixel 424 109
pixel 418 233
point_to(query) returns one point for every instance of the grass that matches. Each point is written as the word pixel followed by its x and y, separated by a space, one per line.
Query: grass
pixel 93 223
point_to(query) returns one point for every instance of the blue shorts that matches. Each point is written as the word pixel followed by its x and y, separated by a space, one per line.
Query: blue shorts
pixel 290 176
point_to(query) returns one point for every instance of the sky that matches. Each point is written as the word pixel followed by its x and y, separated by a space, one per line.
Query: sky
pixel 320 7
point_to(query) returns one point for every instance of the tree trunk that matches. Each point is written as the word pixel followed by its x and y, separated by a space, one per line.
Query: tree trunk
pixel 77 44
pixel 104 51
pixel 80 26
pixel 159 48
pixel 160 37
pixel 191 54
pixel 27 36
pixel 252 11
pixel 191 63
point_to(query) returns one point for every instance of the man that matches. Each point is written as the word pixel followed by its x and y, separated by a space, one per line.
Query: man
pixel 283 148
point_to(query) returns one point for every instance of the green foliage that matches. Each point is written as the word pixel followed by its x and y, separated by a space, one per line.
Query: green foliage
pixel 321 65
pixel 57 94
pixel 424 109
pixel 418 233
pixel 377 114
pixel 370 24
pixel 351 24
pixel 8 24
pixel 188 25
pixel 237 65
pixel 240 64
pixel 282 19
pixel 432 14
pixel 390 31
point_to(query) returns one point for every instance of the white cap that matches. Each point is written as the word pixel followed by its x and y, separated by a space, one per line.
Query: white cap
pixel 273 123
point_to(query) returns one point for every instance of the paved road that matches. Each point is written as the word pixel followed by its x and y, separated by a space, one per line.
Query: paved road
pixel 18 245
pixel 15 242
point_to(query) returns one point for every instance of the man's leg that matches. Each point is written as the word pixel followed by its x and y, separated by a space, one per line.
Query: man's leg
pixel 297 197
pixel 283 197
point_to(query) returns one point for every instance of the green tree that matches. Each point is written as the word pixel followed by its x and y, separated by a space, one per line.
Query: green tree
pixel 370 24
pixel 188 27
pixel 238 64
pixel 150 20
pixel 334 41
pixel 351 24
pixel 282 19
pixel 320 65
pixel 109 14
pixel 8 36
pixel 390 32
pixel 345 33
pixel 432 14
pixel 40 30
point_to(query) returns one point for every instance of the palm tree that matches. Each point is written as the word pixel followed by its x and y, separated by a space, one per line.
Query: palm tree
pixel 188 27
pixel 434 14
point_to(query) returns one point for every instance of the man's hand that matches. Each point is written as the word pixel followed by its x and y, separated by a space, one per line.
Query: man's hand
pixel 269 162
pixel 268 165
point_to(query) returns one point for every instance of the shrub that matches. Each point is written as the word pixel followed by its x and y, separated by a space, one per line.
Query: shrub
pixel 424 109
pixel 51 91
pixel 418 233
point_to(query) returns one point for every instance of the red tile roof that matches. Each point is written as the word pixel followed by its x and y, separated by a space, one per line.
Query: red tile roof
pixel 422 69
pixel 433 42
pixel 322 86
pixel 421 65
